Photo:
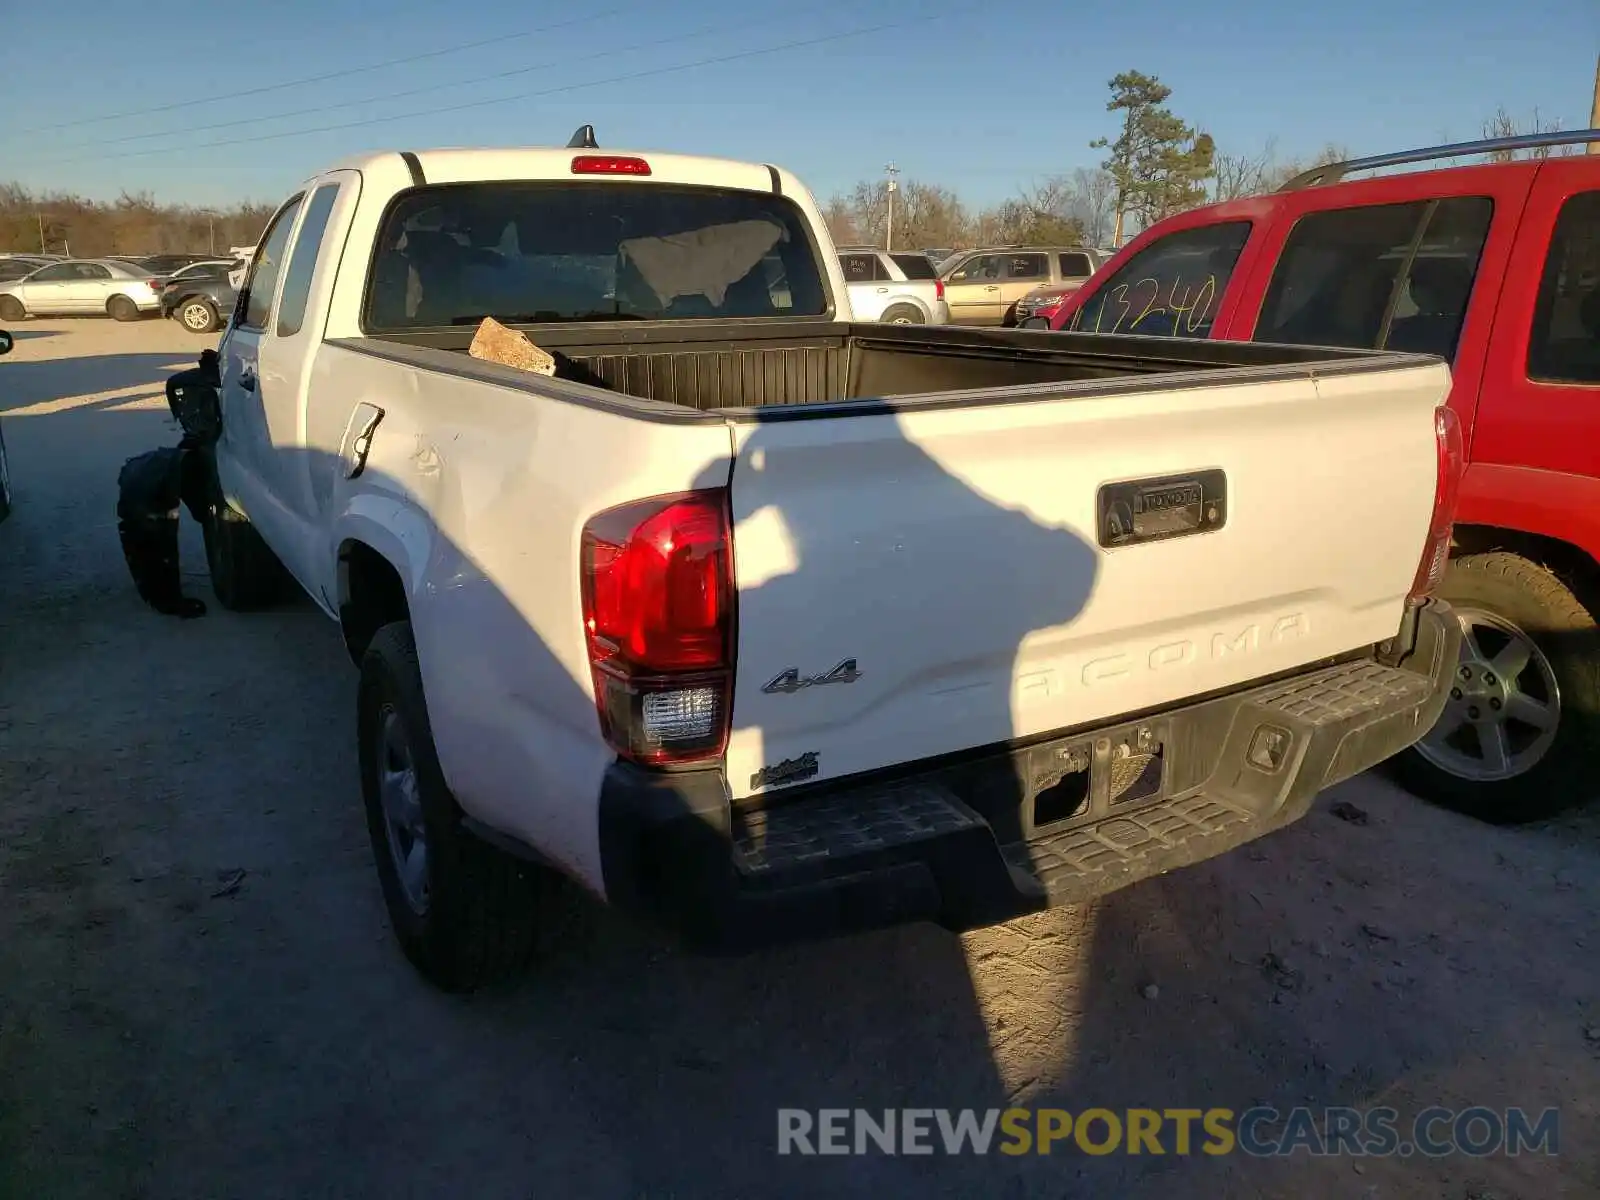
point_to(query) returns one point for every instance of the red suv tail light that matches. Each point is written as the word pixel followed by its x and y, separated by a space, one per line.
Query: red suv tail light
pixel 1446 489
pixel 657 580
pixel 938 289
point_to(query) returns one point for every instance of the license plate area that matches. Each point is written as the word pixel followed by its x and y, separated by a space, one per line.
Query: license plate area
pixel 1156 509
pixel 1092 778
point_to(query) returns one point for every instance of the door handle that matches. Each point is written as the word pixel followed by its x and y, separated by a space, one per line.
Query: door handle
pixel 358 438
pixel 992 287
pixel 247 379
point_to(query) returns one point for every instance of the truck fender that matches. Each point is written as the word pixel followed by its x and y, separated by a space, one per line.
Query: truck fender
pixel 391 528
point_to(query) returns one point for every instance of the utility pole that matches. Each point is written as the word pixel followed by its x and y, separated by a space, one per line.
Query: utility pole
pixel 893 188
pixel 211 233
pixel 1594 109
pixel 43 249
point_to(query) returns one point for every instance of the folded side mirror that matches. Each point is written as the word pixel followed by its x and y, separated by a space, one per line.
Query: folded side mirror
pixel 5 342
pixel 1034 323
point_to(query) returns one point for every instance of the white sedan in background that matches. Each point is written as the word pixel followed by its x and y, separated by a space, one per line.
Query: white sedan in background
pixel 82 286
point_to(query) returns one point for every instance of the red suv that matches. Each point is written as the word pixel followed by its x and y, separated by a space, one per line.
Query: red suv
pixel 1495 268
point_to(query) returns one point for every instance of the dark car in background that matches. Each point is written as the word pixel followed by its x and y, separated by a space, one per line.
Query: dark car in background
pixel 170 264
pixel 199 298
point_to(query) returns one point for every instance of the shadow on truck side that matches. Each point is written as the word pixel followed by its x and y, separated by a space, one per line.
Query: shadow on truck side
pixel 908 1011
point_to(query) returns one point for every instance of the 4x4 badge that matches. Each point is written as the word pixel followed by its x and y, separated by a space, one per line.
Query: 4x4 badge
pixel 792 681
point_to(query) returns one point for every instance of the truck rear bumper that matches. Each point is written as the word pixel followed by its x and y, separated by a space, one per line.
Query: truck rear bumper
pixel 981 838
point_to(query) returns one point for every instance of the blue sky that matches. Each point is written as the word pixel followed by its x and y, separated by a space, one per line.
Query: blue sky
pixel 979 97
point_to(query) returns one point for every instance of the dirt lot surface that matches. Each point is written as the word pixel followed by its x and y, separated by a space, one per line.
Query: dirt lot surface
pixel 199 996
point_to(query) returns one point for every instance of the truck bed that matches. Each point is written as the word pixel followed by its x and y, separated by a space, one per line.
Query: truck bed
pixel 953 509
pixel 766 364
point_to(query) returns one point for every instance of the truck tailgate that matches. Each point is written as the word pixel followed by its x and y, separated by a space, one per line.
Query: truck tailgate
pixel 918 582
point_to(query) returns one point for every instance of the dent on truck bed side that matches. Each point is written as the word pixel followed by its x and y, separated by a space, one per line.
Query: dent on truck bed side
pixel 477 493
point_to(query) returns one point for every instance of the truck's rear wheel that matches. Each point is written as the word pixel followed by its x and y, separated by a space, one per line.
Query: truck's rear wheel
pixel 465 912
pixel 902 314
pixel 1519 738
pixel 245 574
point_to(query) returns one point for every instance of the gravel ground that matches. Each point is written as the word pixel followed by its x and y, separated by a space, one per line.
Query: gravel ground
pixel 199 996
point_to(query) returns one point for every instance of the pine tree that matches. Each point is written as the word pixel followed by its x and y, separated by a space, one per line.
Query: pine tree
pixel 1160 163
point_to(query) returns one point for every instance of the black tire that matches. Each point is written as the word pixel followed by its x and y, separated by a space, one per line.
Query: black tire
pixel 479 919
pixel 903 314
pixel 5 479
pixel 245 574
pixel 197 315
pixel 120 308
pixel 12 309
pixel 1530 599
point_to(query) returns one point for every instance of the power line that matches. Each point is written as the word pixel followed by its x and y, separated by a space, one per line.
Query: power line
pixel 610 52
pixel 571 87
pixel 341 74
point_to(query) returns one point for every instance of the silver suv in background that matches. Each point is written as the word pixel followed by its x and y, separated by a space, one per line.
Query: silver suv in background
pixel 902 288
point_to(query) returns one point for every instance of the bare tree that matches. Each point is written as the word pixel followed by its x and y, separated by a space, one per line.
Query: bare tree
pixel 1093 203
pixel 132 224
pixel 925 214
pixel 1241 175
pixel 840 217
pixel 1503 124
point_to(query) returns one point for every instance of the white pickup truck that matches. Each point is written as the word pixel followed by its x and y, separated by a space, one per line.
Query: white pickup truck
pixel 766 623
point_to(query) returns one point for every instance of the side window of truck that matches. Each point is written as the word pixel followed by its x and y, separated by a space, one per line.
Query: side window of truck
pixel 1383 276
pixel 303 260
pixel 1171 288
pixel 1565 346
pixel 262 282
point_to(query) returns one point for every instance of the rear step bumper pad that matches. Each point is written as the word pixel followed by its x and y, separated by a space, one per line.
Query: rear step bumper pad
pixel 957 843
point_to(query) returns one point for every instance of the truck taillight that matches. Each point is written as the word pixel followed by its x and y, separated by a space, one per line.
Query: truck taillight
pixel 609 164
pixel 1446 489
pixel 938 289
pixel 657 582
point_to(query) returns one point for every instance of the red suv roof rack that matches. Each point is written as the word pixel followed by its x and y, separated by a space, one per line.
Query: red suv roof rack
pixel 1334 172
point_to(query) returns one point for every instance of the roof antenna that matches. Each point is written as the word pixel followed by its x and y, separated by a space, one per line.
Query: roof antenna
pixel 583 139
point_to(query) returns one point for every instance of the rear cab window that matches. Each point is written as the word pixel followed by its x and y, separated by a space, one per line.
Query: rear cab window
pixel 453 254
pixel 303 262
pixel 1381 276
pixel 1565 342
pixel 1171 288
